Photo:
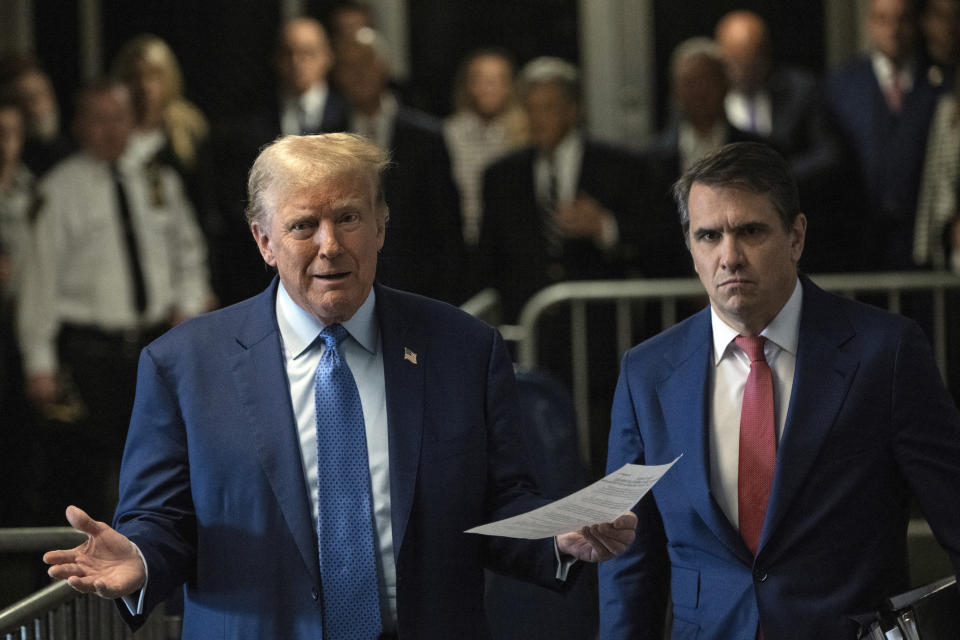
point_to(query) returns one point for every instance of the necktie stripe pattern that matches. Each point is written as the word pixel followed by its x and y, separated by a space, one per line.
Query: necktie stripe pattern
pixel 351 606
pixel 758 447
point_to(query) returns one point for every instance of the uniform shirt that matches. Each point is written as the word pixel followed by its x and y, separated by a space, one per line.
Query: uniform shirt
pixel 693 146
pixel 78 271
pixel 732 366
pixel 15 204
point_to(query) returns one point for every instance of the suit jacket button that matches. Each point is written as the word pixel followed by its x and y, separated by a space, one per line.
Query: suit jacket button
pixel 760 576
pixel 314 594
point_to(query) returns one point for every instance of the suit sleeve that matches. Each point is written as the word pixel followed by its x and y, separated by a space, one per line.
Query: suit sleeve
pixel 927 438
pixel 633 585
pixel 510 489
pixel 156 509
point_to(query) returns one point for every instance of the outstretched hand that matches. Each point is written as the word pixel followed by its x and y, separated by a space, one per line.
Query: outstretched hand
pixel 107 564
pixel 600 542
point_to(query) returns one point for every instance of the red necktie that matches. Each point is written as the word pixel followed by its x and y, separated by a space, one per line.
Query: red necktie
pixel 758 442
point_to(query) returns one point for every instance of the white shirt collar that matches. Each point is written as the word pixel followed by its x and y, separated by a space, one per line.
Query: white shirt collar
pixel 884 70
pixel 299 328
pixel 783 331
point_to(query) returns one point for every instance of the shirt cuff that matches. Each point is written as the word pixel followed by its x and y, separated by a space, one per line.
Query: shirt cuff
pixel 134 601
pixel 564 562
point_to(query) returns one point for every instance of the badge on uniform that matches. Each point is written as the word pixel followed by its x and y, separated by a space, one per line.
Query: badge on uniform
pixel 409 356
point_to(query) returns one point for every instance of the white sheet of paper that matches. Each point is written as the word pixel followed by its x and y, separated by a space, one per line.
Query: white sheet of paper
pixel 603 501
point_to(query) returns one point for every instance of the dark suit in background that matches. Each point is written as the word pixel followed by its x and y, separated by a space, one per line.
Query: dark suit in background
pixel 888 150
pixel 513 240
pixel 424 251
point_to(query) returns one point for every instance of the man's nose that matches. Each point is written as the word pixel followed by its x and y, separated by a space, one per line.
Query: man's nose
pixel 328 242
pixel 731 255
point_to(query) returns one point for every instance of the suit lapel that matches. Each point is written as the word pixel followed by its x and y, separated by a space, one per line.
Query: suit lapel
pixel 821 380
pixel 271 421
pixel 688 422
pixel 405 357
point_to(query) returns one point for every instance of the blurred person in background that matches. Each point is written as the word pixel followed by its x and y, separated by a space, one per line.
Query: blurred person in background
pixel 783 105
pixel 423 252
pixel 487 122
pixel 116 259
pixel 304 103
pixel 882 105
pixel 46 144
pixel 940 24
pixel 169 129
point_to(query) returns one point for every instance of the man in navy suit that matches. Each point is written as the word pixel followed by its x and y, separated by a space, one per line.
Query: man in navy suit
pixel 219 486
pixel 789 529
pixel 882 106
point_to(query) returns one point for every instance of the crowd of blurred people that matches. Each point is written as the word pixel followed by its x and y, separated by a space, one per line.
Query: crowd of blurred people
pixel 135 221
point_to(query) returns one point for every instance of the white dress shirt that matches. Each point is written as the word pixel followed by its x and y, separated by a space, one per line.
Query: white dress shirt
pixel 304 111
pixel 731 368
pixel 362 351
pixel 750 112
pixel 79 271
pixel 377 128
pixel 887 74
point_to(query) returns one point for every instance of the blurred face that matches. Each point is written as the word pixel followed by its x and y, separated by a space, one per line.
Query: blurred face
pixel 941 29
pixel 743 41
pixel 700 86
pixel 324 243
pixel 11 136
pixel 488 82
pixel 746 260
pixel 551 114
pixel 892 28
pixel 149 86
pixel 361 75
pixel 304 58
pixel 104 123
pixel 36 98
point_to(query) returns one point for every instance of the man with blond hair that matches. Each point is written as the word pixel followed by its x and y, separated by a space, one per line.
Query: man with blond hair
pixel 307 460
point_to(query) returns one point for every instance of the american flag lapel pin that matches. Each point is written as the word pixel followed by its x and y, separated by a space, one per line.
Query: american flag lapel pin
pixel 409 355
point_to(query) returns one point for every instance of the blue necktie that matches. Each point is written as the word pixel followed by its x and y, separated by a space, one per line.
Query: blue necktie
pixel 351 605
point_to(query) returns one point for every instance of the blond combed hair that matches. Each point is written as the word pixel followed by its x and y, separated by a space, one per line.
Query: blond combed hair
pixel 296 163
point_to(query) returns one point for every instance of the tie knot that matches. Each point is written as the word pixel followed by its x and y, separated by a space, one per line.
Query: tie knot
pixel 752 346
pixel 333 336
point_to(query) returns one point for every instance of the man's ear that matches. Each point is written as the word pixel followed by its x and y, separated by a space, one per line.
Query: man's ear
pixel 263 240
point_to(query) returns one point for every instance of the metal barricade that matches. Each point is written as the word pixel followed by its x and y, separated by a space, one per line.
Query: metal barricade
pixel 623 295
pixel 57 612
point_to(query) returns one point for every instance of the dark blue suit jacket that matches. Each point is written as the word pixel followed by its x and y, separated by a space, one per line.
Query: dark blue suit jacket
pixel 888 150
pixel 869 423
pixel 213 493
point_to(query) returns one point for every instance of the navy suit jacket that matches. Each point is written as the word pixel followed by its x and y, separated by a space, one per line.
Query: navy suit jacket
pixel 213 493
pixel 514 252
pixel 869 423
pixel 888 151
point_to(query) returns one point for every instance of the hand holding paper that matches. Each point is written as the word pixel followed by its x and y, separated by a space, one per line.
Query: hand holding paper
pixel 592 524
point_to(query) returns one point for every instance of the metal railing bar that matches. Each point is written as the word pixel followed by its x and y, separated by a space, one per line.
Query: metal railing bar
pixel 581 379
pixel 31 539
pixel 33 606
